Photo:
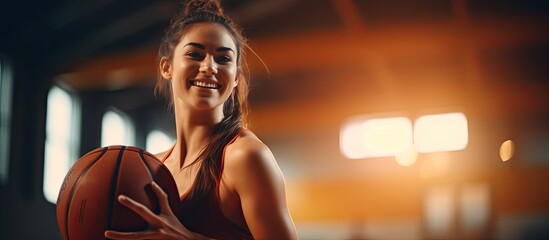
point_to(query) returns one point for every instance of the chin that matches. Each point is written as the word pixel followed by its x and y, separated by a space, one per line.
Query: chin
pixel 206 105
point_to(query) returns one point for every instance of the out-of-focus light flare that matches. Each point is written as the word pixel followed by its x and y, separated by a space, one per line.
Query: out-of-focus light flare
pixel 158 141
pixel 441 162
pixel 57 154
pixel 407 157
pixel 475 206
pixel 434 165
pixel 380 137
pixel 439 210
pixel 116 129
pixel 441 132
pixel 507 150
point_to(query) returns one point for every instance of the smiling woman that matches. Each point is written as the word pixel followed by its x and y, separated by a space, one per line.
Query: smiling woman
pixel 214 56
pixel 229 183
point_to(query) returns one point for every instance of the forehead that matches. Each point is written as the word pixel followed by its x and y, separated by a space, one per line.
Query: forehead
pixel 208 34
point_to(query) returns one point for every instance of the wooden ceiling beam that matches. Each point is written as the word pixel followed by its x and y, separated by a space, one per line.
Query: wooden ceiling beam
pixel 348 14
pixel 314 51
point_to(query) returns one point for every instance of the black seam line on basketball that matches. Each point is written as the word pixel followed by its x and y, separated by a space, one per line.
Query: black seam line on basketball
pixel 74 189
pixel 153 176
pixel 147 165
pixel 82 209
pixel 93 151
pixel 113 186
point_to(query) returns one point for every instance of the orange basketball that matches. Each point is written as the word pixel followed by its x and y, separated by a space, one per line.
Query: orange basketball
pixel 87 204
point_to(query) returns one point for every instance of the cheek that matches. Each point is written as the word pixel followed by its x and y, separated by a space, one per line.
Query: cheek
pixel 231 73
pixel 184 67
pixel 181 73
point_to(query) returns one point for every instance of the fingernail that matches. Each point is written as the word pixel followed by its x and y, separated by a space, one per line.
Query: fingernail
pixel 122 198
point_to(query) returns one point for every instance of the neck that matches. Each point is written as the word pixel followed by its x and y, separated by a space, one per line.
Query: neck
pixel 194 129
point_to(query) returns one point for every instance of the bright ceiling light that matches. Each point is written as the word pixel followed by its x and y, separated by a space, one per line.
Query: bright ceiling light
pixel 507 150
pixel 377 137
pixel 441 132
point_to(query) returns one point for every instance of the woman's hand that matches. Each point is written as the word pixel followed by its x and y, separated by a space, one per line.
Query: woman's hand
pixel 165 225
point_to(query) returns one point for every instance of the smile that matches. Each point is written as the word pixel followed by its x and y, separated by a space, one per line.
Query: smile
pixel 202 84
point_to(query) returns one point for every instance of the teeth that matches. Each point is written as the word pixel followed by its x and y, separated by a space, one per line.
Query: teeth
pixel 204 84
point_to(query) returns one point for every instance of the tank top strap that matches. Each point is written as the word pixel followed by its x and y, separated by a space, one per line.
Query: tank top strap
pixel 167 154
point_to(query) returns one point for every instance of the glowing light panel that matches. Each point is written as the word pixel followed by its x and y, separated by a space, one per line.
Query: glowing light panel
pixel 61 140
pixel 378 137
pixel 441 132
pixel 6 82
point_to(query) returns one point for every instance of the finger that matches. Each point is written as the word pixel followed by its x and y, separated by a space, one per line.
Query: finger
pixel 138 208
pixel 130 235
pixel 162 198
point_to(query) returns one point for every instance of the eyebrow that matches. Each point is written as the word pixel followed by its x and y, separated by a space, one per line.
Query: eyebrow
pixel 198 45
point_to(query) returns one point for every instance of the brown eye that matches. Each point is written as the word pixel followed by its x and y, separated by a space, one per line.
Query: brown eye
pixel 224 59
pixel 194 55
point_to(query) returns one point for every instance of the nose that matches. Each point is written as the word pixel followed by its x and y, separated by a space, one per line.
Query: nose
pixel 208 66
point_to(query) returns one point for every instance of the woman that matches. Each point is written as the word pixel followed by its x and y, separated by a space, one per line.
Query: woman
pixel 230 184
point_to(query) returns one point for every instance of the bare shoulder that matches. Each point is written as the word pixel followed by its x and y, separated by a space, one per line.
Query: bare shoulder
pixel 249 159
pixel 246 149
pixel 251 172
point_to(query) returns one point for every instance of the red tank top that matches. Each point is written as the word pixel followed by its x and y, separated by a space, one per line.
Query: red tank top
pixel 206 217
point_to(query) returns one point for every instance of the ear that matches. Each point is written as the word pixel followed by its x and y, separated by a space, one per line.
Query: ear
pixel 165 68
pixel 236 80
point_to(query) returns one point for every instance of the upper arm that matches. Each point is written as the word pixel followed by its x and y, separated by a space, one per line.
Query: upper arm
pixel 259 183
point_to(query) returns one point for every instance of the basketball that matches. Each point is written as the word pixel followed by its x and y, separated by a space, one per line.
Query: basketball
pixel 87 203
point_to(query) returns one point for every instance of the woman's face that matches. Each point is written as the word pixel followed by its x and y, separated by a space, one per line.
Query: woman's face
pixel 204 66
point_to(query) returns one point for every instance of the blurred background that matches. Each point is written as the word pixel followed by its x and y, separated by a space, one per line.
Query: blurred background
pixel 401 119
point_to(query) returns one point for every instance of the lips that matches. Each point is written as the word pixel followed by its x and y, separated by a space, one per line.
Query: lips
pixel 204 84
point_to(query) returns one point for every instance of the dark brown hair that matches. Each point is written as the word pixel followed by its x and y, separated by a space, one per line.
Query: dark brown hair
pixel 234 109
